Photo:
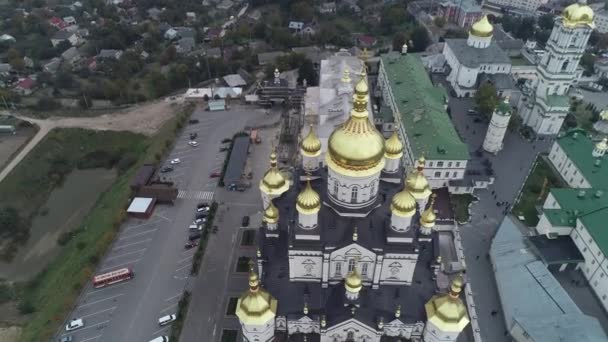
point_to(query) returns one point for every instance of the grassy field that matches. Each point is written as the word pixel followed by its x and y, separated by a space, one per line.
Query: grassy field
pixel 52 294
pixel 460 203
pixel 535 191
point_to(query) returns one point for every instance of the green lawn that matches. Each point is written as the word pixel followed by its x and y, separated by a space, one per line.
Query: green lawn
pixel 52 294
pixel 460 203
pixel 535 191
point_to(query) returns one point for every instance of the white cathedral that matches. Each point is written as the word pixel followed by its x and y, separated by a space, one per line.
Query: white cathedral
pixel 355 259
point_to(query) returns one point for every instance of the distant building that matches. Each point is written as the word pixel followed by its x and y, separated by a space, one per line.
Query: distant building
pixel 460 12
pixel 65 35
pixel 110 54
pixel 71 56
pixel 58 23
pixel 184 45
pixel 52 66
pixel 7 38
pixel 25 86
pixel 601 67
pixel 225 5
pixel 234 80
pixel 327 8
pixel 523 5
pixel 366 41
pixel 601 21
pixel 269 57
pixel 69 20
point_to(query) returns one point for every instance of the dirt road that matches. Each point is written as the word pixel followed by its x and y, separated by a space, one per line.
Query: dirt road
pixel 145 119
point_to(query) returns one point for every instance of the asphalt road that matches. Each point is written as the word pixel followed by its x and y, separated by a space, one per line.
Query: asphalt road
pixel 154 248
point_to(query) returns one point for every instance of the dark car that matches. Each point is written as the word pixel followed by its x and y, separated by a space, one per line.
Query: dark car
pixel 201 214
pixel 223 149
pixel 215 174
pixel 226 140
pixel 67 338
pixel 190 244
pixel 194 235
pixel 166 169
pixel 193 121
pixel 193 136
pixel 245 221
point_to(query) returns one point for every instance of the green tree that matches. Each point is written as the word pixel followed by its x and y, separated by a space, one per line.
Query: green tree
pixel 420 39
pixel 157 84
pixel 587 62
pixel 439 22
pixel 398 41
pixel 302 11
pixel 307 72
pixel 64 80
pixel 525 30
pixel 10 221
pixel 545 21
pixel 391 17
pixel 486 99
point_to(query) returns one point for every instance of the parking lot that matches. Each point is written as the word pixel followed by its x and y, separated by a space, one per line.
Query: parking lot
pixel 154 248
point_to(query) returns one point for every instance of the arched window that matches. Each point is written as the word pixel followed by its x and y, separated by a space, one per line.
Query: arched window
pixel 338 269
pixel 372 191
pixel 350 336
pixel 353 194
pixel 364 269
pixel 564 65
pixel 336 188
pixel 351 265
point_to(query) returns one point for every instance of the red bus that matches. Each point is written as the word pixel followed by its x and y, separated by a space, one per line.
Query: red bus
pixel 113 277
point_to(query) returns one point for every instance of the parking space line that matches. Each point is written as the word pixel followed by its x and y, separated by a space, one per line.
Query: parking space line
pixel 91 338
pixel 169 307
pixel 98 312
pixel 183 267
pixel 191 150
pixel 131 244
pixel 140 225
pixel 124 254
pixel 160 330
pixel 107 268
pixel 106 288
pixel 186 258
pixel 137 234
pixel 99 301
pixel 173 297
pixel 89 327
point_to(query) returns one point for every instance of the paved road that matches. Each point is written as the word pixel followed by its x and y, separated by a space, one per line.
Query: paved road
pixel 218 281
pixel 511 166
pixel 154 248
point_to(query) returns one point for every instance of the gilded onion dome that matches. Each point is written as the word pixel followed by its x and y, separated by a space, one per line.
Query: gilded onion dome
pixel 578 14
pixel 428 217
pixel 447 311
pixel 309 201
pixel 256 306
pixel 403 204
pixel 353 282
pixel 602 145
pixel 355 147
pixel 417 183
pixel 311 145
pixel 271 214
pixel 482 28
pixel 273 181
pixel 393 148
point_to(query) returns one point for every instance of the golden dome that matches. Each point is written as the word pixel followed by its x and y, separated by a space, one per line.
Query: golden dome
pixel 602 145
pixel 309 201
pixel 482 28
pixel 256 306
pixel 428 217
pixel 417 183
pixel 273 182
pixel 355 147
pixel 447 311
pixel 403 204
pixel 578 14
pixel 393 148
pixel 311 145
pixel 271 214
pixel 353 282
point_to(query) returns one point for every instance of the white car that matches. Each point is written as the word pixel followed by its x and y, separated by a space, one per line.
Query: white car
pixel 74 324
pixel 193 143
pixel 175 161
pixel 166 320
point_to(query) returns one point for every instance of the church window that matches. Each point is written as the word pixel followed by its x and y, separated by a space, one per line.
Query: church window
pixel 338 269
pixel 440 164
pixel 364 269
pixel 437 174
pixel 564 65
pixel 447 174
pixel 353 194
pixel 457 164
pixel 351 265
pixel 455 174
pixel 372 191
pixel 350 336
pixel 449 164
pixel 335 188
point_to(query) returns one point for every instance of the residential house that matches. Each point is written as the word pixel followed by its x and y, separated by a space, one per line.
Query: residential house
pixel 366 41
pixel 5 69
pixel 215 52
pixel 212 34
pixel 58 23
pixel 71 56
pixel 307 30
pixel 296 26
pixel 327 8
pixel 91 63
pixel 28 62
pixel 255 15
pixel 184 45
pixel 225 5
pixel 109 54
pixel 185 32
pixel 190 17
pixel 65 35
pixel 154 13
pixel 83 32
pixel 52 66
pixel 144 55
pixel 269 57
pixel 69 20
pixel 7 38
pixel 25 86
pixel 170 34
pixel 234 80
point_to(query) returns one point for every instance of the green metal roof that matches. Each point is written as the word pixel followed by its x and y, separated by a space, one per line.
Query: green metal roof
pixel 386 114
pixel 558 101
pixel 588 205
pixel 421 105
pixel 503 108
pixel 578 147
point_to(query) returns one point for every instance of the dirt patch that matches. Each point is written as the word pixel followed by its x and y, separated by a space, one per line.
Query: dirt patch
pixel 10 334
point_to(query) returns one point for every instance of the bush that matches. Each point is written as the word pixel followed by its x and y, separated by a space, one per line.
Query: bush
pixel 6 293
pixel 26 307
pixel 64 238
pixel 47 104
pixel 126 162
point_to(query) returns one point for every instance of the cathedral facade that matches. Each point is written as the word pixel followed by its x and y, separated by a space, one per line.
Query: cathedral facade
pixel 350 254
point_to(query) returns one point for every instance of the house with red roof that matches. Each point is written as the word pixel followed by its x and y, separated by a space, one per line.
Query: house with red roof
pixel 25 86
pixel 366 41
pixel 58 23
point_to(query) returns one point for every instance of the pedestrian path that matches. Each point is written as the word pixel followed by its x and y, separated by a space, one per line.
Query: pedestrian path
pixel 196 195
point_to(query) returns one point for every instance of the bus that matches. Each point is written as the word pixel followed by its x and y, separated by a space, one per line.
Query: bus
pixel 113 277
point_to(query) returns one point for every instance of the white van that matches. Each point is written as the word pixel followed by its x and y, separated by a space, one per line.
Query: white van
pixel 161 339
pixel 166 320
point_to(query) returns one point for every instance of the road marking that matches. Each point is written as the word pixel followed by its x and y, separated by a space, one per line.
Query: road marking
pixel 89 327
pixel 173 297
pixel 161 216
pixel 160 330
pixel 131 244
pixel 199 195
pixel 169 307
pixel 138 234
pixel 106 288
pixel 140 225
pixel 186 258
pixel 124 254
pixel 118 265
pixel 181 268
pixel 99 301
pixel 91 338
pixel 98 312
pixel 214 327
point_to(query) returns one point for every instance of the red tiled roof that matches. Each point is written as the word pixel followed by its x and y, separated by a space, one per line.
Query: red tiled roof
pixel 368 40
pixel 26 83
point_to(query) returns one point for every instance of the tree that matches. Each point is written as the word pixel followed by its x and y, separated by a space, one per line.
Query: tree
pixel 157 84
pixel 307 72
pixel 587 62
pixel 64 80
pixel 439 22
pixel 545 21
pixel 420 39
pixel 391 17
pixel 525 30
pixel 486 99
pixel 398 41
pixel 10 221
pixel 302 11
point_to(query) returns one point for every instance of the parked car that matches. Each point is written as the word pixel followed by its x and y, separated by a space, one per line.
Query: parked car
pixel 161 339
pixel 226 140
pixel 195 235
pixel 223 149
pixel 193 136
pixel 190 244
pixel 471 112
pixel 166 169
pixel 193 143
pixel 166 320
pixel 201 220
pixel 203 207
pixel 175 161
pixel 74 324
pixel 202 214
pixel 214 174
pixel 193 121
pixel 245 221
pixel 67 338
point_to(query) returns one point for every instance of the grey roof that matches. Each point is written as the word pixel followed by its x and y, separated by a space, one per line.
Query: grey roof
pixel 185 45
pixel 474 57
pixel 531 296
pixel 62 35
pixel 109 53
pixel 557 250
pixel 269 57
pixel 70 53
pixel 238 157
pixel 185 32
pixel 234 80
pixel 500 81
pixel 510 44
pixel 5 67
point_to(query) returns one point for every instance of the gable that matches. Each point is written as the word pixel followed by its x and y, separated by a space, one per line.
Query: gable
pixel 353 250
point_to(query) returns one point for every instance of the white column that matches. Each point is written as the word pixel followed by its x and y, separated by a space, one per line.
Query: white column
pixel 308 221
pixel 326 265
pixel 399 223
pixel 310 163
pixel 377 272
pixel 391 165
